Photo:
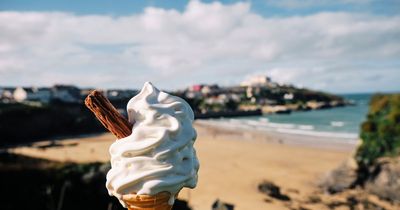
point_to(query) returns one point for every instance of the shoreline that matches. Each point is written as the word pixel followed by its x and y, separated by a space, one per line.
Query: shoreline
pixel 45 148
pixel 269 136
pixel 247 131
pixel 285 128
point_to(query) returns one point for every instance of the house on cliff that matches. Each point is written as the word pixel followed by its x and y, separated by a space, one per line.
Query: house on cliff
pixel 66 93
pixel 21 94
pixel 116 94
pixel 6 94
pixel 259 81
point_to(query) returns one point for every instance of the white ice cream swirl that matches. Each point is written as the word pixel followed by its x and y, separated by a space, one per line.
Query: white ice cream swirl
pixel 159 155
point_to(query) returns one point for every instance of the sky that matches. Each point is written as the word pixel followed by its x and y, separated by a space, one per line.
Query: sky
pixel 342 46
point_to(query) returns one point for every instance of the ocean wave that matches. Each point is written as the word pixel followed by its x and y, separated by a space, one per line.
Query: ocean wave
pixel 319 133
pixel 306 127
pixel 288 128
pixel 265 123
pixel 337 123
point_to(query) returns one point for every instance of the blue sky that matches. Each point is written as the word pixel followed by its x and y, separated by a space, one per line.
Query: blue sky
pixel 264 7
pixel 339 46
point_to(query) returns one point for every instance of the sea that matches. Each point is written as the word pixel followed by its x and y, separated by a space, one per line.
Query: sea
pixel 338 122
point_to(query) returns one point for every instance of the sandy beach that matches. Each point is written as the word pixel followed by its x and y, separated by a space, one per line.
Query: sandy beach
pixel 233 163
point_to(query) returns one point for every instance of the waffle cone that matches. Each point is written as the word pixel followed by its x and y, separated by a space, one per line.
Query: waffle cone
pixel 147 202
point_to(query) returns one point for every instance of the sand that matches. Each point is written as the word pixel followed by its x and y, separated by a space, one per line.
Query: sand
pixel 232 163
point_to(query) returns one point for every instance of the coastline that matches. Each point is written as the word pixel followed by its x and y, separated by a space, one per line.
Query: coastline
pixel 283 136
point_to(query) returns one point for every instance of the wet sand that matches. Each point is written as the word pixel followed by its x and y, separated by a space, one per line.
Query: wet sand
pixel 233 162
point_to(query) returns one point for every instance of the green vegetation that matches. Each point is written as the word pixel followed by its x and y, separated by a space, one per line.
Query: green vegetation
pixel 380 133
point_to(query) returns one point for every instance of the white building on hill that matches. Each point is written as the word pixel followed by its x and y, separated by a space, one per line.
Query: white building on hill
pixel 258 81
pixel 21 94
pixel 66 93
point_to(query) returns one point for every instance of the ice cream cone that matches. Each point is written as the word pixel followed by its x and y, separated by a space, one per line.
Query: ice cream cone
pixel 159 201
pixel 163 128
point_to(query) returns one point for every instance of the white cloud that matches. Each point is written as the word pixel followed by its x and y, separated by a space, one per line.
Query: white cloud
pixel 204 43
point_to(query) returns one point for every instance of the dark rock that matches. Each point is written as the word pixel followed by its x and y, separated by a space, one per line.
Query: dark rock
pixel 381 179
pixel 181 205
pixel 268 200
pixel 341 178
pixel 386 182
pixel 272 190
pixel 219 205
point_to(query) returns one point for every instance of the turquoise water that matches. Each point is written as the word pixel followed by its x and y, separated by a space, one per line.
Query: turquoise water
pixel 342 119
pixel 340 122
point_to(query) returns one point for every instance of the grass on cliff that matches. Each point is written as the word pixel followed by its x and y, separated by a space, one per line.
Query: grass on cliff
pixel 380 133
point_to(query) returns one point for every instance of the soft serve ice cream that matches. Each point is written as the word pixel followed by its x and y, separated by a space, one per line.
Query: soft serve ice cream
pixel 158 156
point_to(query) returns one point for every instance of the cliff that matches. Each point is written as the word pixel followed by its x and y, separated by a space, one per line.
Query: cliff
pixel 375 169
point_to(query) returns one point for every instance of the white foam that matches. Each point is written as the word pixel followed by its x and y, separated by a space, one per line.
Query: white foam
pixel 337 123
pixel 319 133
pixel 307 130
pixel 306 127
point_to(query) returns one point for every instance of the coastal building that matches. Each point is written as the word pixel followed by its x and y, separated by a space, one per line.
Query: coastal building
pixel 195 88
pixel 216 100
pixel 222 99
pixel 235 97
pixel 253 92
pixel 21 94
pixel 210 89
pixel 113 94
pixel 288 96
pixel 193 94
pixel 201 90
pixel 116 94
pixel 257 81
pixel 6 95
pixel 66 93
pixel 43 95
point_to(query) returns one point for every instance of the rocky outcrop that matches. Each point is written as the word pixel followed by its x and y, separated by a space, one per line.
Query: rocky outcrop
pixel 342 178
pixel 381 179
pixel 272 190
pixel 385 179
pixel 220 205
pixel 347 199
